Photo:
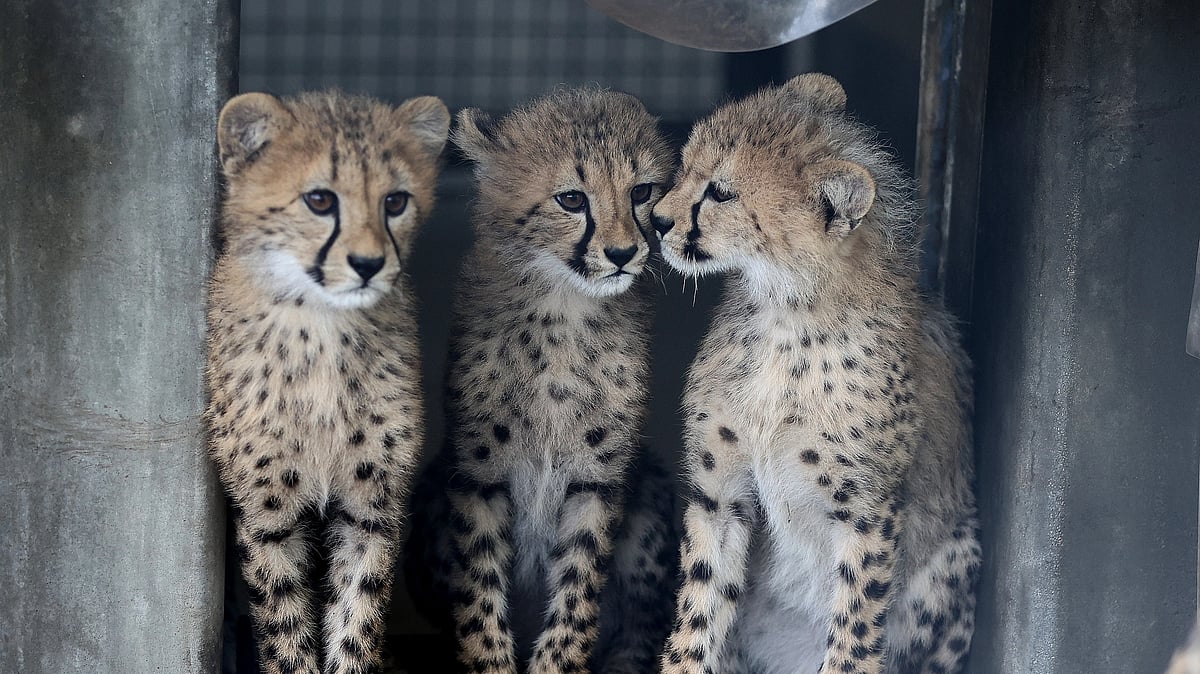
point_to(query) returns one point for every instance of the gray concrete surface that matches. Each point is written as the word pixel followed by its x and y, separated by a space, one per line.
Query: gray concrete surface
pixel 1088 421
pixel 111 524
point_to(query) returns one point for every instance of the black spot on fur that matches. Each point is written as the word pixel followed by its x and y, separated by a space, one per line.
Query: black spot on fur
pixel 876 589
pixel 700 572
pixel 596 436
pixel 501 432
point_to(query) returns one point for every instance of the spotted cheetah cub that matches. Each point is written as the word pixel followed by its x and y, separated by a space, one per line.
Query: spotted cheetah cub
pixel 547 392
pixel 828 438
pixel 315 412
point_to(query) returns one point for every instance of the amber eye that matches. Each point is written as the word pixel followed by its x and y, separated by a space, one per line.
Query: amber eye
pixel 718 194
pixel 395 203
pixel 640 194
pixel 321 202
pixel 572 201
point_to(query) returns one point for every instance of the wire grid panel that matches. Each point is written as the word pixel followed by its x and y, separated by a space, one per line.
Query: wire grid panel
pixel 492 54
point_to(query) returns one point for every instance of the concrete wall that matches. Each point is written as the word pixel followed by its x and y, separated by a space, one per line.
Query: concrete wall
pixel 111 525
pixel 1088 421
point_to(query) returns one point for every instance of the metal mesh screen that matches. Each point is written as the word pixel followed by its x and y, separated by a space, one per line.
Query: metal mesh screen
pixel 491 54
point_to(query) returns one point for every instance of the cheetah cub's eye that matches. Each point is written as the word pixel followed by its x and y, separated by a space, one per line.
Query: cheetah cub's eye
pixel 719 194
pixel 395 203
pixel 640 194
pixel 572 201
pixel 321 202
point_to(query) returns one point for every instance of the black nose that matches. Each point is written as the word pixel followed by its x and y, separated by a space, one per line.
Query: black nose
pixel 663 225
pixel 365 266
pixel 620 256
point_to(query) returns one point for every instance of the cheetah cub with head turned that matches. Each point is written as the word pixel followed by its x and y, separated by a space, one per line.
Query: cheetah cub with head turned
pixel 831 522
pixel 547 389
pixel 315 412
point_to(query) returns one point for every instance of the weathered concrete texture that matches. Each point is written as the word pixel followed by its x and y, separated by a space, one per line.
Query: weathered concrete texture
pixel 111 526
pixel 1088 407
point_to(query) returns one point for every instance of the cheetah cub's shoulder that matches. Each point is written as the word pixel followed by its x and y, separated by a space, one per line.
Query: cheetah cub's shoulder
pixel 557 554
pixel 315 415
pixel 828 399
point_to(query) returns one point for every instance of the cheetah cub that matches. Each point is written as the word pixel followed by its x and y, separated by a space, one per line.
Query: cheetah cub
pixel 315 412
pixel 828 443
pixel 547 392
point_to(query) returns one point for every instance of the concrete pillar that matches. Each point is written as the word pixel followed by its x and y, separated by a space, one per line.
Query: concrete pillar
pixel 111 523
pixel 1088 408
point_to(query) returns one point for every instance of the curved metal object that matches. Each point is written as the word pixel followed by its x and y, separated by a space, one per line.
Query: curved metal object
pixel 729 25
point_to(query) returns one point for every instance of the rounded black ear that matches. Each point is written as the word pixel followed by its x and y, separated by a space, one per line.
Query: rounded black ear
pixel 246 126
pixel 822 90
pixel 476 134
pixel 846 192
pixel 427 118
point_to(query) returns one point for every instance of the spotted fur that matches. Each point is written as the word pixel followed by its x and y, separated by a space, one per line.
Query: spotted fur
pixel 313 371
pixel 540 499
pixel 831 523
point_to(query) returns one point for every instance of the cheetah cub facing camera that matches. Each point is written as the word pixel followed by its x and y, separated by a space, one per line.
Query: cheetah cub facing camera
pixel 831 522
pixel 542 492
pixel 315 411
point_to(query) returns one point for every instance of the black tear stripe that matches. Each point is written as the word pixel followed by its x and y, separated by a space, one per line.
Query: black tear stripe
pixel 315 271
pixel 576 262
pixel 694 232
pixel 690 248
pixel 392 237
pixel 633 211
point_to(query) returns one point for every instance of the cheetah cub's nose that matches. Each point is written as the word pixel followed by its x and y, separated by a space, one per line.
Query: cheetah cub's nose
pixel 365 266
pixel 620 256
pixel 661 225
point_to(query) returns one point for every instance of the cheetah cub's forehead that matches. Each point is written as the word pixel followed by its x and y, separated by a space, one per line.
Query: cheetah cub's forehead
pixel 566 185
pixel 777 187
pixel 325 190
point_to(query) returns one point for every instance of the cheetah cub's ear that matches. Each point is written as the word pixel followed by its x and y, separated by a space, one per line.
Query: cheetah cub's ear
pixel 247 125
pixel 843 190
pixel 476 135
pixel 427 118
pixel 823 91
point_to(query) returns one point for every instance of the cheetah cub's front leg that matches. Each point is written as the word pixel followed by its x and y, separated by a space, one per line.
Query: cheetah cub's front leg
pixel 718 522
pixel 547 393
pixel 579 557
pixel 315 414
pixel 866 554
pixel 481 524
pixel 836 395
